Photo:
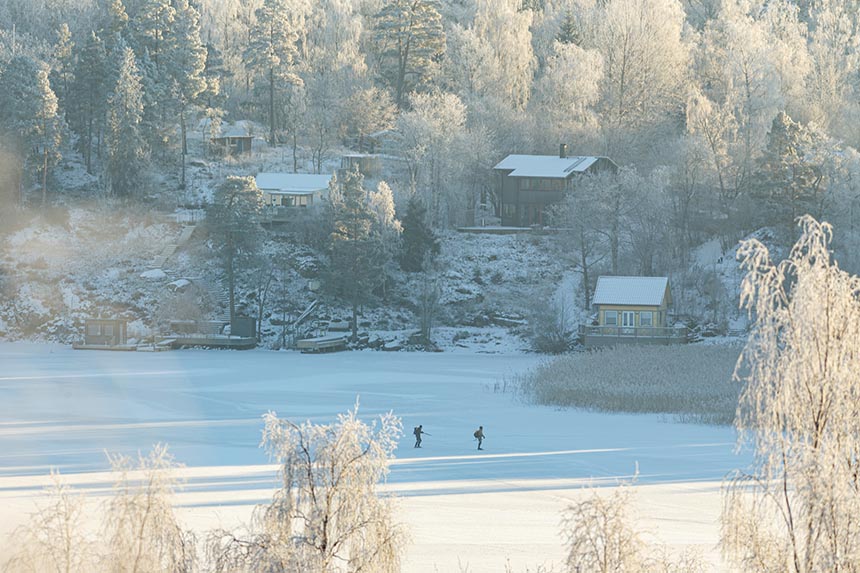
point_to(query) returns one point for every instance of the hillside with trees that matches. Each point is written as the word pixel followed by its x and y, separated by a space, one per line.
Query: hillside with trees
pixel 728 120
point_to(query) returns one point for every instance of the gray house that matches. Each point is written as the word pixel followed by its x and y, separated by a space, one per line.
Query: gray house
pixel 527 184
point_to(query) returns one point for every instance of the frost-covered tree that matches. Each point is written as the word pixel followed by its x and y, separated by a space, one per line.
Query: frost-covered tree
pixel 797 507
pixel 409 35
pixel 328 515
pixel 141 530
pixel 187 63
pixel 62 65
pixel 505 27
pixel 644 63
pixel 127 151
pixel 434 133
pixel 356 254
pixel 55 537
pixel 29 114
pixel 271 54
pixel 233 218
pixel 569 88
pixel 790 180
pixel 599 535
pixel 87 99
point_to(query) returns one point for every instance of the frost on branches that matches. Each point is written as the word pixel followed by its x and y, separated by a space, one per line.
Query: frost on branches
pixel 328 515
pixel 799 507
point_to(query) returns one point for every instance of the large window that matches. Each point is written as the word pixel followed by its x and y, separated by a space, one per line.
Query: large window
pixel 610 317
pixel 646 318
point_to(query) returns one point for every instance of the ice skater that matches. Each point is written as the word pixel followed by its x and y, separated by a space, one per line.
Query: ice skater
pixel 479 435
pixel 419 431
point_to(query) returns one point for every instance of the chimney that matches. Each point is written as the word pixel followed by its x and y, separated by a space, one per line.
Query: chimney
pixel 562 151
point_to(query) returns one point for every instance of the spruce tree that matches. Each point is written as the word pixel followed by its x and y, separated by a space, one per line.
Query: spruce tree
pixel 418 240
pixel 28 112
pixel 271 55
pixel 87 101
pixel 356 253
pixel 409 34
pixel 789 177
pixel 127 155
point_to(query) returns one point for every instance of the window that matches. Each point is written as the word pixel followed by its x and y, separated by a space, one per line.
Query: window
pixel 628 318
pixel 93 330
pixel 646 318
pixel 610 317
pixel 107 330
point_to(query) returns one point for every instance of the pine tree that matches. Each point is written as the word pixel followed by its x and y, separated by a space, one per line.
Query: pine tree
pixel 234 222
pixel 28 111
pixel 87 99
pixel 126 147
pixel 62 66
pixel 418 240
pixel 410 35
pixel 187 62
pixel 271 54
pixel 357 258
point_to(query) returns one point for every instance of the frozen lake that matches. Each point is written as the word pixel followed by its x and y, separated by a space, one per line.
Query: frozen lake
pixel 63 409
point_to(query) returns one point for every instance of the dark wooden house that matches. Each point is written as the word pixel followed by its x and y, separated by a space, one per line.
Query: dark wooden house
pixel 528 184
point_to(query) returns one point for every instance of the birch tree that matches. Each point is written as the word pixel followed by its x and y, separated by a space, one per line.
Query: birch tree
pixel 328 514
pixel 797 507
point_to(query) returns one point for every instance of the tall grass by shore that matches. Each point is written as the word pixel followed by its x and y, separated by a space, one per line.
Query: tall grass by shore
pixel 693 383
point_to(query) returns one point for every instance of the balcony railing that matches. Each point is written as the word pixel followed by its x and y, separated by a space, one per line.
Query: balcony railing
pixel 672 333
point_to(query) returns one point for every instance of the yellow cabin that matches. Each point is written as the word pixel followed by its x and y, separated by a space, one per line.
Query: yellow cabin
pixel 632 310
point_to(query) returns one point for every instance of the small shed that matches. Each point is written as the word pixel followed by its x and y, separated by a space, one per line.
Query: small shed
pixel 234 139
pixel 368 164
pixel 632 309
pixel 105 332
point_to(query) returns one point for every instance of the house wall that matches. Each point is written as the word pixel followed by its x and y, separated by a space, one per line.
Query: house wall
pixel 523 201
pixel 275 199
pixel 660 313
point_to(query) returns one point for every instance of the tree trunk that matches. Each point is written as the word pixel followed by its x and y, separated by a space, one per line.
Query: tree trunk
pixel 184 145
pixel 272 107
pixel 354 320
pixel 583 253
pixel 231 282
pixel 45 177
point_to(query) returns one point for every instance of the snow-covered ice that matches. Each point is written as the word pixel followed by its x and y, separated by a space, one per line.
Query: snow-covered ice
pixel 64 409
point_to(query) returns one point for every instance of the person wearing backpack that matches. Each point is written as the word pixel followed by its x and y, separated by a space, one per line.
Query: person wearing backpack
pixel 479 435
pixel 418 431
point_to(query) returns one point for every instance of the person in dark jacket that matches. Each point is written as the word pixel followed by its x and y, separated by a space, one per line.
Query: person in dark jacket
pixel 479 435
pixel 418 431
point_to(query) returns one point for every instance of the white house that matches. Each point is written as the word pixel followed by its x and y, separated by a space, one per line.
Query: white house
pixel 293 189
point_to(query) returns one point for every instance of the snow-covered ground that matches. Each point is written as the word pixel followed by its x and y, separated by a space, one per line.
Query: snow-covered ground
pixel 61 408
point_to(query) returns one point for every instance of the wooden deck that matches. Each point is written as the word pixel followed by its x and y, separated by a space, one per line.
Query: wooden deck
pixel 117 348
pixel 594 336
pixel 208 341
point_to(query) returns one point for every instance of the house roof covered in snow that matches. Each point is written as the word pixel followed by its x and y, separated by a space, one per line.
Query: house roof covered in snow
pixel 551 166
pixel 632 291
pixel 292 183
